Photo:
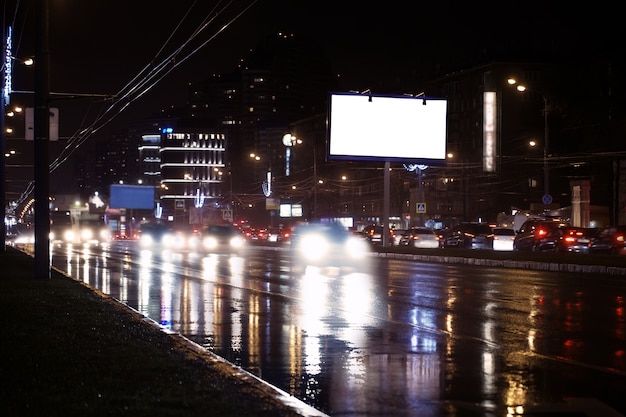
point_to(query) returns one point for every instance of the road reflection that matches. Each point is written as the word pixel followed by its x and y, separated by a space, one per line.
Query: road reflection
pixel 404 339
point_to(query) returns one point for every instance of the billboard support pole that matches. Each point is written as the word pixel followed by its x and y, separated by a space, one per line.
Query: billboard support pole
pixel 386 194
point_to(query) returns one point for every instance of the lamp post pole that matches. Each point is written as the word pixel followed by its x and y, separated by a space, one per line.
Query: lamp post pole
pixel 547 198
pixel 546 167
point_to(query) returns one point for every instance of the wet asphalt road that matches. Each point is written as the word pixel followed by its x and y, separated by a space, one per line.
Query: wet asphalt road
pixel 386 337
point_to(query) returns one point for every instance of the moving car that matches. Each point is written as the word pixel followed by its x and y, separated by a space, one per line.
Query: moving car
pixel 574 239
pixel 327 244
pixel 397 235
pixel 503 238
pixel 374 235
pixel 77 229
pixel 419 237
pixel 153 234
pixel 469 236
pixel 222 238
pixel 611 240
pixel 538 235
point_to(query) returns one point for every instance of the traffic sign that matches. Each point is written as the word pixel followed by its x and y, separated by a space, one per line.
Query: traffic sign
pixel 227 214
pixel 546 199
pixel 421 208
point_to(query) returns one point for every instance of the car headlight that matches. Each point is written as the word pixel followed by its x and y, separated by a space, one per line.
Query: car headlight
pixel 86 234
pixel 68 236
pixel 209 242
pixel 313 246
pixel 146 240
pixel 236 242
pixel 105 235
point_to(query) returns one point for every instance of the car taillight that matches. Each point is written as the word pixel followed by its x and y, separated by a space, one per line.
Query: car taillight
pixel 542 232
pixel 570 239
pixel 619 238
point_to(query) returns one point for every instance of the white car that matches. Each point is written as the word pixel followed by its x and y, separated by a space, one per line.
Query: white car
pixel 420 237
pixel 503 238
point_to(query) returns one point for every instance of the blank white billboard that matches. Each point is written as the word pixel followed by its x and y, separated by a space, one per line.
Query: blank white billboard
pixel 386 128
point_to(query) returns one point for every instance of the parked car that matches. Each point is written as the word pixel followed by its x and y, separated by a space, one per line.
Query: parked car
pixel 538 235
pixel 611 239
pixel 374 235
pixel 574 239
pixel 469 236
pixel 503 238
pixel 419 237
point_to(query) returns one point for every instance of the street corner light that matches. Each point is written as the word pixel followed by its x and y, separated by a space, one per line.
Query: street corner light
pixel 289 140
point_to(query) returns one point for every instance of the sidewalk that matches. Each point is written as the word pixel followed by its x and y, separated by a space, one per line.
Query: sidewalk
pixel 68 350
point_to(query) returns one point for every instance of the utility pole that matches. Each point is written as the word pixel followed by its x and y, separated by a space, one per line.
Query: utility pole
pixel 41 142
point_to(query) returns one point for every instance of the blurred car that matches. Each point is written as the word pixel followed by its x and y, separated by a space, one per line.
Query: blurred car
pixel 419 237
pixel 223 238
pixel 469 236
pixel 20 234
pixel 327 244
pixel 65 228
pixel 374 235
pixel 574 239
pixel 503 238
pixel 397 235
pixel 538 235
pixel 277 235
pixel 153 234
pixel 611 240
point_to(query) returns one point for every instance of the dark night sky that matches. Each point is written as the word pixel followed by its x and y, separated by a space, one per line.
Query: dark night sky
pixel 99 46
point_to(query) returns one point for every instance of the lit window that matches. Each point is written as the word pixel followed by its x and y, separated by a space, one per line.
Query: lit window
pixel 251 109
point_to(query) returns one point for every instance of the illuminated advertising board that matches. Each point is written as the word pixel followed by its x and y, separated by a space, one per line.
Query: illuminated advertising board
pixel 387 128
pixel 132 196
pixel 489 131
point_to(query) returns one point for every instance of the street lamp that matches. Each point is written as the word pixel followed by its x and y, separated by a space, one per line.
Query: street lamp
pixel 547 198
pixel 289 141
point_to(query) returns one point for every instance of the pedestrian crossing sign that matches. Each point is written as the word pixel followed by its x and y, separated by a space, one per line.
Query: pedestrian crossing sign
pixel 420 208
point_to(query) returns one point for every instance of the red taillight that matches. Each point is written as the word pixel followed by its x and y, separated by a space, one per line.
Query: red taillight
pixel 570 239
pixel 619 238
pixel 542 232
